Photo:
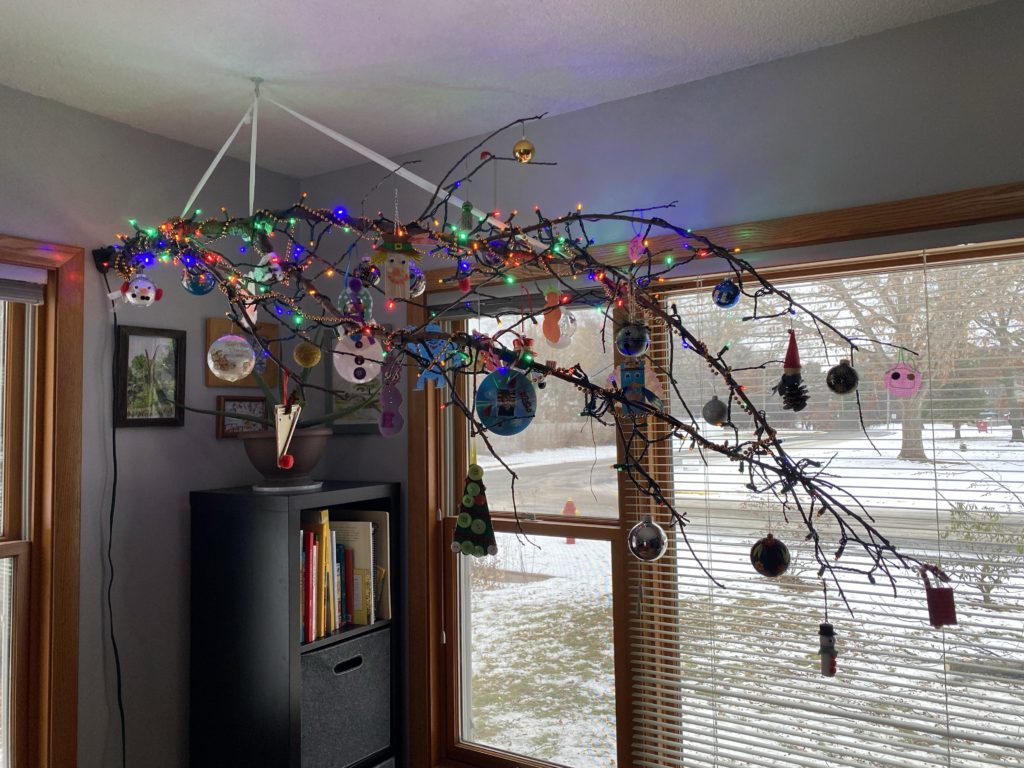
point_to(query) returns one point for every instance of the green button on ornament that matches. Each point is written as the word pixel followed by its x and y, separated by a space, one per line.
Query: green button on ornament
pixel 478 551
pixel 476 472
pixel 464 520
pixel 478 527
pixel 472 489
pixel 467 501
pixel 467 548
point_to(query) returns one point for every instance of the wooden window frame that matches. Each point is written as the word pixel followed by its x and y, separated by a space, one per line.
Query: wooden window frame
pixel 46 647
pixel 433 719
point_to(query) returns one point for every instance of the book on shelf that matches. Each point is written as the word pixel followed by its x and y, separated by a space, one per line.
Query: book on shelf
pixel 367 533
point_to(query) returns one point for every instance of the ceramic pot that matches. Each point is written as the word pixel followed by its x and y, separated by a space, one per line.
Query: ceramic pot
pixel 308 447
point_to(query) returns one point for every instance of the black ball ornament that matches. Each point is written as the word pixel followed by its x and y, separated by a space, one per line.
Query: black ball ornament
pixel 715 411
pixel 633 339
pixel 647 540
pixel 842 379
pixel 769 556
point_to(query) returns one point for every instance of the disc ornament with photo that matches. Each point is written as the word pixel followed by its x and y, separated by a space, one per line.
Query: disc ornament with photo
pixel 506 402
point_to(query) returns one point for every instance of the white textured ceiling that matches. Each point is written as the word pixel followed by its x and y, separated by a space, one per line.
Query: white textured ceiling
pixel 398 75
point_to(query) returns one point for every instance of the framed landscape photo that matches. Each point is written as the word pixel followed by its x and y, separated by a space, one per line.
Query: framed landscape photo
pixel 150 377
pixel 265 367
pixel 247 405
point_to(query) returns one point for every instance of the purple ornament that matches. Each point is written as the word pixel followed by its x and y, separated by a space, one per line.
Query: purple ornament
pixel 390 422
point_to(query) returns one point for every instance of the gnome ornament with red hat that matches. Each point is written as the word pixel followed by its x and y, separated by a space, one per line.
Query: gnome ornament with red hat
pixel 791 386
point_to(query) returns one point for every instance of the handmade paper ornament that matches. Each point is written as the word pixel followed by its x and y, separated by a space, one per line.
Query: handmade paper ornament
pixel 842 378
pixel 903 380
pixel 286 418
pixel 433 356
pixel 467 221
pixel 636 248
pixel 394 255
pixel 827 649
pixel 390 421
pixel 769 556
pixel 523 150
pixel 474 533
pixel 506 402
pixel 726 294
pixel 647 540
pixel 566 330
pixel 140 291
pixel 791 386
pixel 306 354
pixel 231 358
pixel 198 281
pixel 715 411
pixel 633 339
pixel 357 357
pixel 632 377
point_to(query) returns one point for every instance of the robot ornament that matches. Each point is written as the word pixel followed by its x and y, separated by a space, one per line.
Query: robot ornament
pixel 632 377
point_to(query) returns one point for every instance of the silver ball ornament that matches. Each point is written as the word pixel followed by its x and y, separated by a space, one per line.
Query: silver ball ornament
pixel 647 540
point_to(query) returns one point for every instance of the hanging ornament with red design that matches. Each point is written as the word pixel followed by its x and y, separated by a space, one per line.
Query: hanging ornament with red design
pixel 791 386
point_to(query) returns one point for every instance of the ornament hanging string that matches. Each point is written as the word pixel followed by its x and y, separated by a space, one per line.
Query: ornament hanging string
pixel 216 161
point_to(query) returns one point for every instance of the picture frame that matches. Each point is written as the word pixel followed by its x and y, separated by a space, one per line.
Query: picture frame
pixel 251 405
pixel 221 326
pixel 150 377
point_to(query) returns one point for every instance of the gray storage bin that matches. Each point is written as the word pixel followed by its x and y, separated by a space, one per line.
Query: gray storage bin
pixel 346 701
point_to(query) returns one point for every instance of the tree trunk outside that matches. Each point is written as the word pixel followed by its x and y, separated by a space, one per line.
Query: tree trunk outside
pixel 1014 414
pixel 912 447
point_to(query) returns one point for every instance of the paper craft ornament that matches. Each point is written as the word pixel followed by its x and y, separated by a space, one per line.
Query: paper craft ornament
pixel 636 248
pixel 140 291
pixel 434 357
pixel 632 378
pixel 769 556
pixel 791 386
pixel 474 533
pixel 827 649
pixel 903 380
pixel 647 540
pixel 941 608
pixel 842 379
pixel 633 339
pixel 726 294
pixel 286 418
pixel 357 357
pixel 390 421
pixel 552 316
pixel 506 402
pixel 394 255
pixel 231 358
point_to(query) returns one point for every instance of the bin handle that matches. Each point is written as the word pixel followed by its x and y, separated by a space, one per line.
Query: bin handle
pixel 348 665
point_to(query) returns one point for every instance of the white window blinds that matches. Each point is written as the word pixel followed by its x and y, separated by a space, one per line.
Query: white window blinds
pixel 730 676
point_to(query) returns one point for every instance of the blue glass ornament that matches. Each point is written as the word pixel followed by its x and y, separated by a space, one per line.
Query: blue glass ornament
pixel 506 402
pixel 726 294
pixel 198 282
pixel 633 339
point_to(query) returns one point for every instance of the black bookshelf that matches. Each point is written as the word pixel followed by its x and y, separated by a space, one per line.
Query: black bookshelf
pixel 252 679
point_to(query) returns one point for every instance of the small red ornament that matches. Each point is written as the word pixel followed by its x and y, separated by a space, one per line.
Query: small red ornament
pixel 287 461
pixel 941 608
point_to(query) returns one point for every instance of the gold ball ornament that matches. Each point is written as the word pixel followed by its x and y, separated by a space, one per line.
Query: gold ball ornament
pixel 307 355
pixel 523 150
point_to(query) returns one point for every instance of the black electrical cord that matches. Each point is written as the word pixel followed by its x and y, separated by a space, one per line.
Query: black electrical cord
pixel 110 542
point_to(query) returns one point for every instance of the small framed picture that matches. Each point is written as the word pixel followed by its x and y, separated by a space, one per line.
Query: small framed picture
pixel 265 367
pixel 245 405
pixel 150 377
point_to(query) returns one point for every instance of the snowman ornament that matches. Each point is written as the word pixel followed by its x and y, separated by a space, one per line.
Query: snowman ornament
pixel 140 291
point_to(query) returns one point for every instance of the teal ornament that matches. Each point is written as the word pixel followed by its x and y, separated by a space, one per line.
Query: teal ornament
pixel 434 357
pixel 726 294
pixel 632 378
pixel 633 339
pixel 506 402
pixel 198 282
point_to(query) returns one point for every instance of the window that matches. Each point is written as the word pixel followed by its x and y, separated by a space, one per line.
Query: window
pixel 40 462
pixel 703 676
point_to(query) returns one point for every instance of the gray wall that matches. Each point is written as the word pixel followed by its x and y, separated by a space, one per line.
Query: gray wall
pixel 930 108
pixel 70 177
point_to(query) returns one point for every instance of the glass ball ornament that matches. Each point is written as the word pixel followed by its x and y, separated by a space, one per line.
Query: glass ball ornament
pixel 715 411
pixel 842 379
pixel 417 281
pixel 506 402
pixel 769 556
pixel 231 358
pixel 523 150
pixel 633 339
pixel 726 294
pixel 647 540
pixel 198 282
pixel 307 354
pixel 357 357
pixel 369 273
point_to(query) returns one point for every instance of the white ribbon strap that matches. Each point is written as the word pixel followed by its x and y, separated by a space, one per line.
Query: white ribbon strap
pixel 216 161
pixel 252 144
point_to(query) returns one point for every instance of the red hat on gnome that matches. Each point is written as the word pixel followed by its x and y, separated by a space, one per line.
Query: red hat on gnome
pixel 791 364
